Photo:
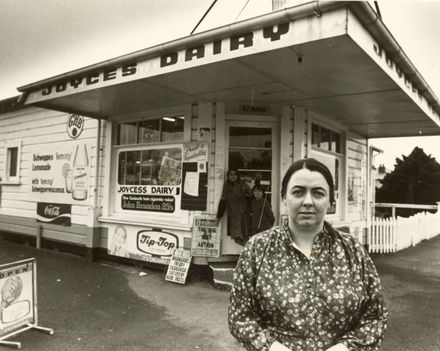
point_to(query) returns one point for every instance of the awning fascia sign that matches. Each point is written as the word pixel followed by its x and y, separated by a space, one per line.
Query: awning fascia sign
pixel 270 37
pixel 392 68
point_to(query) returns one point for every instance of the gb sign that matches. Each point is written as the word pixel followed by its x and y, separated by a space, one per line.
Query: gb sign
pixel 75 125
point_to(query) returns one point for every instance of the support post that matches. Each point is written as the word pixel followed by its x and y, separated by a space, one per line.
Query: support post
pixel 38 236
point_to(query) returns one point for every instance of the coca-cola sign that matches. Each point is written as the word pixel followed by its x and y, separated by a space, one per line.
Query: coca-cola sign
pixel 54 213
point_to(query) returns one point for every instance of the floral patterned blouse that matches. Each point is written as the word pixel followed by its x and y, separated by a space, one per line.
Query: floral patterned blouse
pixel 307 304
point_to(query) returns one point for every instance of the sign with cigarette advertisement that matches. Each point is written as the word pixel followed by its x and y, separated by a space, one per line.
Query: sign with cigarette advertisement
pixel 18 307
pixel 146 245
pixel 206 237
pixel 149 180
pixel 60 174
pixel 178 267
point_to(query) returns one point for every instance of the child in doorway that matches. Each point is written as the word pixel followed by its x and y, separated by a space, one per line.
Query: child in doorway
pixel 262 217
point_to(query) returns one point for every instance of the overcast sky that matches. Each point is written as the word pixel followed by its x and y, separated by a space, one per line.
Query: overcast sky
pixel 43 38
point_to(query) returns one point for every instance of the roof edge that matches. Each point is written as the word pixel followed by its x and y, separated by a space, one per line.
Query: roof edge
pixel 361 9
pixel 374 24
pixel 291 13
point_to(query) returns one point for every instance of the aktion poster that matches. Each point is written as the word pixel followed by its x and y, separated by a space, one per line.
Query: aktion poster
pixel 205 237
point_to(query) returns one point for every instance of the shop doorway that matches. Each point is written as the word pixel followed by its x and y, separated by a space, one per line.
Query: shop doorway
pixel 253 149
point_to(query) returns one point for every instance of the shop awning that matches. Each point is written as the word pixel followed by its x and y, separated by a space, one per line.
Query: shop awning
pixel 335 58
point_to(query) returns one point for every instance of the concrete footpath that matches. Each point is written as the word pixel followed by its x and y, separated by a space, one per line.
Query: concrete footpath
pixel 411 280
pixel 108 306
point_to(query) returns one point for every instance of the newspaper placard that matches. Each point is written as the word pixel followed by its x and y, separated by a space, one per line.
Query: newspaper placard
pixel 18 305
pixel 206 237
pixel 179 265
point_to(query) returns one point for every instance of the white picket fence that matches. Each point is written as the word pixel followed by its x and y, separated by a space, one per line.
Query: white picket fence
pixel 398 233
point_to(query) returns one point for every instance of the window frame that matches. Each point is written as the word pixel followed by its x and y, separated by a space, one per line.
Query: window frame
pixel 8 179
pixel 139 122
pixel 141 148
pixel 331 132
pixel 341 156
pixel 178 217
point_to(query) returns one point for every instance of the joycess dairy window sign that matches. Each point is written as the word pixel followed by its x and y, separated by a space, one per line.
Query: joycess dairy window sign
pixel 149 179
pixel 149 166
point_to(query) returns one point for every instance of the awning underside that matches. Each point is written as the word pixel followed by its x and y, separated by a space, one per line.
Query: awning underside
pixel 335 79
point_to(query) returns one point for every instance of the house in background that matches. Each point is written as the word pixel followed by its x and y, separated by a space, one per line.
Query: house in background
pixel 133 152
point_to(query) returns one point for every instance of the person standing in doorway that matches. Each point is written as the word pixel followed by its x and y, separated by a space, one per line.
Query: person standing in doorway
pixel 234 200
pixel 262 217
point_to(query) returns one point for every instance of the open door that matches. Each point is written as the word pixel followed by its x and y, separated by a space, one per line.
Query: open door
pixel 253 149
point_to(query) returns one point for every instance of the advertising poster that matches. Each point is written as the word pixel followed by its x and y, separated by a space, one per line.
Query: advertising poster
pixel 54 213
pixel 17 305
pixel 206 237
pixel 60 174
pixel 146 245
pixel 195 176
pixel 179 266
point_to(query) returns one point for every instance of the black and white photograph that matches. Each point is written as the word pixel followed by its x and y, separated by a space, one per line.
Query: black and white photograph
pixel 232 175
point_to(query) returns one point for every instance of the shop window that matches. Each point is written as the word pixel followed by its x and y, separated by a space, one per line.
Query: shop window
pixel 326 139
pixel 151 131
pixel 12 171
pixel 150 167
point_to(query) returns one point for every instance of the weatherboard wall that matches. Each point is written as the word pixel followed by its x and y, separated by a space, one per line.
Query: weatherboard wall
pixel 42 132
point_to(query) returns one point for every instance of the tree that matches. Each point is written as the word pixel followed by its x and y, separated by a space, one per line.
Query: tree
pixel 414 180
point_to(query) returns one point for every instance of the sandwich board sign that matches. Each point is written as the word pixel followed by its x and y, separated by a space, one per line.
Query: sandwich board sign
pixel 179 265
pixel 18 300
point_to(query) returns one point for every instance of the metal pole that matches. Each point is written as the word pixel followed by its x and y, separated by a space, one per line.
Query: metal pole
pixel 38 236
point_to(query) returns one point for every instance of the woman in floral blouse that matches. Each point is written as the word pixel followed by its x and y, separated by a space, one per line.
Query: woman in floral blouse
pixel 305 286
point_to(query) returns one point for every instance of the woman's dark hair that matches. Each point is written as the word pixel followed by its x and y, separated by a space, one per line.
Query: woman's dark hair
pixel 257 187
pixel 312 165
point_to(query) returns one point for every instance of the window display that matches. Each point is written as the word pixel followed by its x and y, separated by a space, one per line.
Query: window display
pixel 150 167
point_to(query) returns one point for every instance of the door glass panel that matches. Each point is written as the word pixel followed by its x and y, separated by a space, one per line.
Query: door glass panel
pixel 242 158
pixel 250 151
pixel 250 137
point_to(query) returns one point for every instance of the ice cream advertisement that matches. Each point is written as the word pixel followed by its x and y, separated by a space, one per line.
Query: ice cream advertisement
pixel 16 296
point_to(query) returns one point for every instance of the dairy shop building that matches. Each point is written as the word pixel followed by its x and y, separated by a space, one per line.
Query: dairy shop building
pixel 128 157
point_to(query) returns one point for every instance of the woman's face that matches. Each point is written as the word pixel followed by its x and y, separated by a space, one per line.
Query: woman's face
pixel 232 176
pixel 120 237
pixel 307 199
pixel 258 194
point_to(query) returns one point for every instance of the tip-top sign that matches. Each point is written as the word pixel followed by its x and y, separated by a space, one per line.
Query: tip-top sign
pixel 157 243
